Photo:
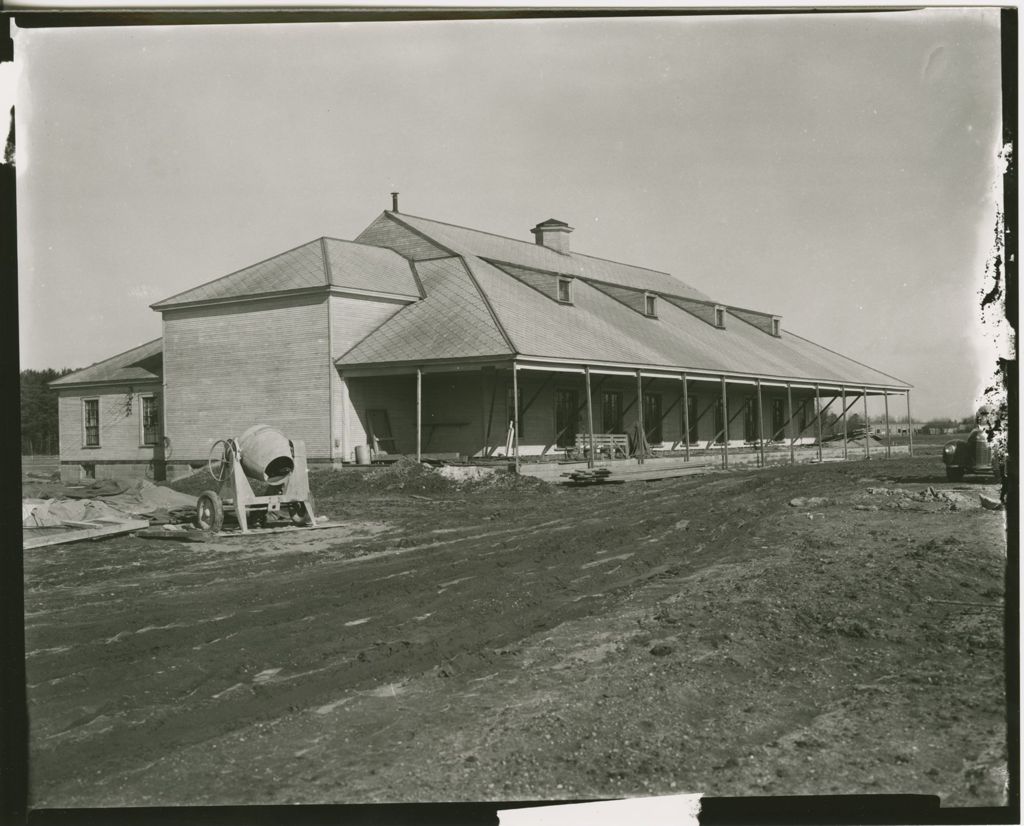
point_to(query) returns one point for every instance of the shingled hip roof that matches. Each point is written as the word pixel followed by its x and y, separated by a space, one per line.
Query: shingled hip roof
pixel 595 328
pixel 142 363
pixel 321 263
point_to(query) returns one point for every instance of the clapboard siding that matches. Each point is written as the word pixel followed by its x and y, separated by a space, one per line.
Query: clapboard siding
pixel 120 431
pixel 384 232
pixel 227 368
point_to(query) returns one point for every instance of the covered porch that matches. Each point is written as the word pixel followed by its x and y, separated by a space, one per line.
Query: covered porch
pixel 539 416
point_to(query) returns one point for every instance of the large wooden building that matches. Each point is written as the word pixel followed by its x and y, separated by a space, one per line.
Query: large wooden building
pixel 417 338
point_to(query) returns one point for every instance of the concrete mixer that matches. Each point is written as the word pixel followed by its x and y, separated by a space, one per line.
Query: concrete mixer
pixel 266 455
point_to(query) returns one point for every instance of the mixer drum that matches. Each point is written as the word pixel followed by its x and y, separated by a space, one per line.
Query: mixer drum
pixel 266 454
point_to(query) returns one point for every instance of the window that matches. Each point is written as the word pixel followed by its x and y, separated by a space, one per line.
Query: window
pixel 508 408
pixel 776 326
pixel 652 418
pixel 691 413
pixel 778 418
pixel 566 417
pixel 720 317
pixel 150 421
pixel 91 417
pixel 565 290
pixel 750 421
pixel 650 305
pixel 611 411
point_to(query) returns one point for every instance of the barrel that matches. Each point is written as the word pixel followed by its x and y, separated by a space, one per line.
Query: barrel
pixel 362 454
pixel 266 454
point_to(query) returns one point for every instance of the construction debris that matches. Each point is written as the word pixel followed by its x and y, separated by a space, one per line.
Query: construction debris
pixel 588 476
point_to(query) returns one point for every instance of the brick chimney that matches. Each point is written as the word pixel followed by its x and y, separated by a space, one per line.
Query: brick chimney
pixel 553 234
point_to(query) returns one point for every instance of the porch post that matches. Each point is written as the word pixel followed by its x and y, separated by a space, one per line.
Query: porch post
pixel 725 426
pixel 686 421
pixel 419 414
pixel 846 447
pixel 817 410
pixel 790 423
pixel 642 435
pixel 590 416
pixel 888 433
pixel 867 428
pixel 760 421
pixel 515 411
pixel 910 425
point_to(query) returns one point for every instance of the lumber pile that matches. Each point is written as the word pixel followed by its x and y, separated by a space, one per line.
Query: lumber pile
pixel 588 476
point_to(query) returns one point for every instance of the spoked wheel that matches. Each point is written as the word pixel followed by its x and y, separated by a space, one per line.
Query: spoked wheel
pixel 209 511
pixel 222 453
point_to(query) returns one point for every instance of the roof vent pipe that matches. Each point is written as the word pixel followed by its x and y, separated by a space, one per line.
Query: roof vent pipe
pixel 394 202
pixel 553 234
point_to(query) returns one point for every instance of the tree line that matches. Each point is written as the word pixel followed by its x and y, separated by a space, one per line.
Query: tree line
pixel 39 433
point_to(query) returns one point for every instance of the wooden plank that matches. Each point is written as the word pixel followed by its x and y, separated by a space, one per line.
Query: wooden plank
pixel 84 533
pixel 286 528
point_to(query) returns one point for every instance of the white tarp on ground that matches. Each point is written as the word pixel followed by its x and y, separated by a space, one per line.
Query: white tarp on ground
pixel 139 497
pixel 48 513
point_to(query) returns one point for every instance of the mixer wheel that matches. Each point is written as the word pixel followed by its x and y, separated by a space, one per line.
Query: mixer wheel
pixel 299 514
pixel 209 511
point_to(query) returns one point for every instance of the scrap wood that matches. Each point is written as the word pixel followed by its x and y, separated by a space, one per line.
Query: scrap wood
pixel 97 531
pixel 185 535
pixel 287 528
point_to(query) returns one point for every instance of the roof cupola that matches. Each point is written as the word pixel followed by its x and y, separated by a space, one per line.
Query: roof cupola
pixel 553 234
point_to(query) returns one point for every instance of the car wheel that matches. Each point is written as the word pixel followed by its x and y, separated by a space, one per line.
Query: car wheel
pixel 954 474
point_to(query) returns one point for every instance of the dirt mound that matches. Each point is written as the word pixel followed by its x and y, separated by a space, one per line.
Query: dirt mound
pixel 507 481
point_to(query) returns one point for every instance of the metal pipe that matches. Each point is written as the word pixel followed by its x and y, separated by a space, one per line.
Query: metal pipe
pixel 686 421
pixel 419 414
pixel 590 417
pixel 789 424
pixel 867 428
pixel 846 448
pixel 888 432
pixel 725 427
pixel 515 411
pixel 910 425
pixel 817 407
pixel 760 422
pixel 641 435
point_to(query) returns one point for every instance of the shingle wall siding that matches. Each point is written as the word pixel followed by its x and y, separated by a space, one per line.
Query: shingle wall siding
pixel 227 368
pixel 385 232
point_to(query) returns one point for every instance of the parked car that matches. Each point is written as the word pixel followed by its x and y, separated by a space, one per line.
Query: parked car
pixel 972 455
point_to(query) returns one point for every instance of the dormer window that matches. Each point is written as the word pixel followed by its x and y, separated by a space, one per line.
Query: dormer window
pixel 565 291
pixel 650 305
pixel 776 326
pixel 720 317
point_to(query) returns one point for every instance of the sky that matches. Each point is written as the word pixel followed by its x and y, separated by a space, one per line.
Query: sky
pixel 839 170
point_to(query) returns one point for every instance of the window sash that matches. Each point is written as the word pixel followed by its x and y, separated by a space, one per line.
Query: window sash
pixel 150 421
pixel 91 422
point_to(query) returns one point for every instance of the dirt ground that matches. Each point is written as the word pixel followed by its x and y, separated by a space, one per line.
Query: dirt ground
pixel 822 629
